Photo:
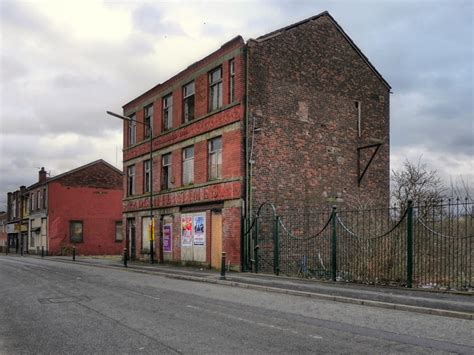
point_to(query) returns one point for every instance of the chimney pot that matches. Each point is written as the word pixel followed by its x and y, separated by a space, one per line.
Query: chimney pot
pixel 42 175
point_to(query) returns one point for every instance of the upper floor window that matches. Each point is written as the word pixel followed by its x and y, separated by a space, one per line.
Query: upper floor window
pixel 231 81
pixel 188 165
pixel 147 176
pixel 148 120
pixel 215 89
pixel 167 112
pixel 32 201
pixel 166 171
pixel 44 198
pixel 188 102
pixel 215 158
pixel 131 180
pixel 132 130
pixel 39 200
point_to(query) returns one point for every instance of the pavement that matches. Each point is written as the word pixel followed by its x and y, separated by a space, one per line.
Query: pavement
pixel 441 303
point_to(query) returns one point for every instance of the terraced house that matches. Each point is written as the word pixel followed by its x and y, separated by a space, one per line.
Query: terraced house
pixel 80 208
pixel 298 117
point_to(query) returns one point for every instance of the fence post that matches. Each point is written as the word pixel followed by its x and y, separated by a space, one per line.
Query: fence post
pixel 73 253
pixel 125 256
pixel 333 244
pixel 410 244
pixel 42 251
pixel 276 247
pixel 222 277
pixel 256 247
pixel 245 235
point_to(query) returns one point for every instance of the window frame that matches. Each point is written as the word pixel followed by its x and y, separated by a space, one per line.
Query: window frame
pixel 232 80
pixel 32 201
pixel 117 223
pixel 71 226
pixel 218 154
pixel 187 98
pixel 166 171
pixel 167 112
pixel 215 86
pixel 146 176
pixel 44 199
pixel 148 116
pixel 131 180
pixel 187 161
pixel 132 129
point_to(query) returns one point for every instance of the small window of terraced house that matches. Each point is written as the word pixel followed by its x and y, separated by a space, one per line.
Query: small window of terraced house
pixel 76 232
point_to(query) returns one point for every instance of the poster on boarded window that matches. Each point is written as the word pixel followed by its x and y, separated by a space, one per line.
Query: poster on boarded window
pixel 199 230
pixel 186 231
pixel 167 238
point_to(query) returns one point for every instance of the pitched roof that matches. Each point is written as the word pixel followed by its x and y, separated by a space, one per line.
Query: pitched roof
pixel 57 177
pixel 344 34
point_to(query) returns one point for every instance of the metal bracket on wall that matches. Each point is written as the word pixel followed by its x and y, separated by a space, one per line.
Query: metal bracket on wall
pixel 359 149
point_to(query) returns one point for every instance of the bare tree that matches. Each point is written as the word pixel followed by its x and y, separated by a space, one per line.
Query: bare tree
pixel 460 189
pixel 414 181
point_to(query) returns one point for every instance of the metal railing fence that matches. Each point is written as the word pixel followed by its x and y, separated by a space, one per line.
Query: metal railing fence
pixel 427 246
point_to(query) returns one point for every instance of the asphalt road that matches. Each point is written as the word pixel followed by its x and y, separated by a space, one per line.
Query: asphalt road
pixel 51 307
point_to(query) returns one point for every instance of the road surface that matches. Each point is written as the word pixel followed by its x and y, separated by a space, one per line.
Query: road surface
pixel 50 307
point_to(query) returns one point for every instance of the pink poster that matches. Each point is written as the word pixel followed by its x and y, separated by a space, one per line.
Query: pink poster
pixel 187 231
pixel 167 238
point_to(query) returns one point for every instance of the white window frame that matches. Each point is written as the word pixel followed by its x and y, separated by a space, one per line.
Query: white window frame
pixel 166 166
pixel 215 159
pixel 132 130
pixel 188 165
pixel 130 180
pixel 189 91
pixel 167 112
pixel 215 89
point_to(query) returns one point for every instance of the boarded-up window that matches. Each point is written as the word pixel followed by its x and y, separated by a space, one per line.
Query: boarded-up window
pixel 118 232
pixel 76 231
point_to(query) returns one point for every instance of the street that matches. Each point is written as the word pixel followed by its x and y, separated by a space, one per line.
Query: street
pixel 50 307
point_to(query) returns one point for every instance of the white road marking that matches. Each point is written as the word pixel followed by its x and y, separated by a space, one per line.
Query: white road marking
pixel 261 324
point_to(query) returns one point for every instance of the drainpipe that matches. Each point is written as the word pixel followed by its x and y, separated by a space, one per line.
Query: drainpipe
pixel 248 167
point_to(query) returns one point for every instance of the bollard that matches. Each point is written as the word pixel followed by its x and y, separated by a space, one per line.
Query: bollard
pixel 42 251
pixel 73 253
pixel 222 267
pixel 125 255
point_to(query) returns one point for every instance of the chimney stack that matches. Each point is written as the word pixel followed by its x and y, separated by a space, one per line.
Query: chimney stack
pixel 42 175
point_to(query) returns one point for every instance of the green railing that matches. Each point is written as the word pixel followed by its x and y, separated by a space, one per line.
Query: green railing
pixel 427 246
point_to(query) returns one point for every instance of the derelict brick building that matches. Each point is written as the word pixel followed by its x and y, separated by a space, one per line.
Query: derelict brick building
pixel 298 117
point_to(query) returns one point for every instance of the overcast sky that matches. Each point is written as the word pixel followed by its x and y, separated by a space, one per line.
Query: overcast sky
pixel 64 63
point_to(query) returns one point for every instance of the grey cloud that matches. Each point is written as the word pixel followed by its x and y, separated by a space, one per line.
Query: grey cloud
pixel 18 14
pixel 148 18
pixel 12 69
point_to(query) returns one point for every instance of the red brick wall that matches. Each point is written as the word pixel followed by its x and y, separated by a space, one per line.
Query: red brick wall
pixel 97 208
pixel 169 141
pixel 98 175
pixel 303 85
pixel 231 220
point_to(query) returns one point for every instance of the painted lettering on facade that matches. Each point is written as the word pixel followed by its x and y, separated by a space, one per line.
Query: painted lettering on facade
pixel 218 192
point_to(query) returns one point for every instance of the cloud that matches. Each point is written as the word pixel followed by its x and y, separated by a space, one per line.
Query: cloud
pixel 63 64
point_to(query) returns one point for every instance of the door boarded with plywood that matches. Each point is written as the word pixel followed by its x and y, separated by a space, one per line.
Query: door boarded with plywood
pixel 216 239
